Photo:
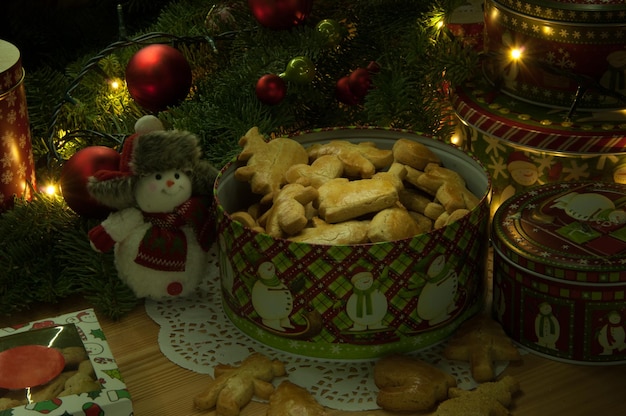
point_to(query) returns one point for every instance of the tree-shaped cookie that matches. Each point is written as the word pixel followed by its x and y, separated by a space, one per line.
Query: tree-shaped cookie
pixel 481 341
pixel 488 399
pixel 234 386
pixel 267 161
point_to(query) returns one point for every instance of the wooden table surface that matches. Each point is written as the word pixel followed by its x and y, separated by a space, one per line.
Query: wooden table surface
pixel 160 387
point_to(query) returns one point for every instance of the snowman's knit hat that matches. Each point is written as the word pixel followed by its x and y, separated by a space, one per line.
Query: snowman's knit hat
pixel 144 154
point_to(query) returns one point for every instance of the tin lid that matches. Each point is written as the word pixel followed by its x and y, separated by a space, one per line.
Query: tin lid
pixel 584 11
pixel 11 72
pixel 569 230
pixel 529 125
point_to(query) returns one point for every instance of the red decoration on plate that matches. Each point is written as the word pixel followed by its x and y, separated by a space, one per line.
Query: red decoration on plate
pixel 158 76
pixel 75 173
pixel 29 366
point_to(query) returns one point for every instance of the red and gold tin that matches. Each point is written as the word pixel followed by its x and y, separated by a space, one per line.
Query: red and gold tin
pixel 546 51
pixel 560 270
pixel 17 175
pixel 524 145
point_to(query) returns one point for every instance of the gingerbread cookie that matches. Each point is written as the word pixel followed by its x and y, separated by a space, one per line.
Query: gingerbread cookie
pixel 267 161
pixel 491 398
pixel 289 399
pixel 234 386
pixel 481 341
pixel 410 384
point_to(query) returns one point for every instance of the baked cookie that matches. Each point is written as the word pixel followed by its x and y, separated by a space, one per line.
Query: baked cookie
pixel 491 398
pixel 234 386
pixel 481 341
pixel 410 384
pixel 289 399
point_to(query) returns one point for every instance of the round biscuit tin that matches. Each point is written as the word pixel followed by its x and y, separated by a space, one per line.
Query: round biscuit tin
pixel 560 270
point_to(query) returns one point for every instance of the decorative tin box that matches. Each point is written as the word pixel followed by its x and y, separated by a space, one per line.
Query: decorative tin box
pixel 420 288
pixel 558 52
pixel 525 145
pixel 560 270
pixel 18 166
pixel 68 336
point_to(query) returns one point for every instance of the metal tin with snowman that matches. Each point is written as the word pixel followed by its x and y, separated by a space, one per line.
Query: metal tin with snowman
pixel 559 280
pixel 354 301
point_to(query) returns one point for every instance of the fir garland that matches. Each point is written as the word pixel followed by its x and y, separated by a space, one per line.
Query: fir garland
pixel 45 252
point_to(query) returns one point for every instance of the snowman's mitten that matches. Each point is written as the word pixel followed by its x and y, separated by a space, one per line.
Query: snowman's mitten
pixel 234 386
pixel 100 240
pixel 116 227
pixel 410 384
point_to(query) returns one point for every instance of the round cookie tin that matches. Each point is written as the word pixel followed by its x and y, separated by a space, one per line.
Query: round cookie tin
pixel 523 145
pixel 560 270
pixel 566 48
pixel 357 301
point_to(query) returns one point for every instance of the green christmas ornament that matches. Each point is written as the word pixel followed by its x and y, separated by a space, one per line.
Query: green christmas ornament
pixel 300 70
pixel 330 29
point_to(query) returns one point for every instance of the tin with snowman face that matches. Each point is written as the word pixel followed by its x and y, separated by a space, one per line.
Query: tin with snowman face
pixel 559 280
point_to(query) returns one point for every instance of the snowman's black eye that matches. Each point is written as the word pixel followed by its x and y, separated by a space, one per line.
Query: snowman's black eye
pixel 177 175
pixel 158 176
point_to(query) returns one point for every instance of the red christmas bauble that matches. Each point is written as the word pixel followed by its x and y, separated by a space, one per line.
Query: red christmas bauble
pixel 360 82
pixel 344 93
pixel 280 14
pixel 158 76
pixel 271 89
pixel 75 173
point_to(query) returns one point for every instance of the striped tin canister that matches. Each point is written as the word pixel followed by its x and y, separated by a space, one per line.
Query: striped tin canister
pixel 525 145
pixel 559 280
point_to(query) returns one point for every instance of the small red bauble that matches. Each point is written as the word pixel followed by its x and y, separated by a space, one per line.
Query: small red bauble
pixel 158 76
pixel 280 14
pixel 75 173
pixel 271 89
pixel 344 93
pixel 360 82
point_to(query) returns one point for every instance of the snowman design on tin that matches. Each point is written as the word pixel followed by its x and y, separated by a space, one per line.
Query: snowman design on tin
pixel 272 299
pixel 612 336
pixel 366 306
pixel 591 206
pixel 436 301
pixel 547 327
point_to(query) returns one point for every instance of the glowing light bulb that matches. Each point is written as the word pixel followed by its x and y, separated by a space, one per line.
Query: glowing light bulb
pixel 456 140
pixel 516 53
pixel 50 189
pixel 439 24
pixel 115 84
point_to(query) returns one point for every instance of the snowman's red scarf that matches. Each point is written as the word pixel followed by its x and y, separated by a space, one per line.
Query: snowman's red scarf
pixel 164 245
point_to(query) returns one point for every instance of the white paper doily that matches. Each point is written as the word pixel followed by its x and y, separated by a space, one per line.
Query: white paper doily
pixel 196 334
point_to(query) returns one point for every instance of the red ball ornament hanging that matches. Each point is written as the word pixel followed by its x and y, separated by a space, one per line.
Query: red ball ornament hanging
pixel 75 173
pixel 344 93
pixel 271 89
pixel 158 76
pixel 360 82
pixel 280 14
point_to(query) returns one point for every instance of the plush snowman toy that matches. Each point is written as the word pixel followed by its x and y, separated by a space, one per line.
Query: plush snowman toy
pixel 162 230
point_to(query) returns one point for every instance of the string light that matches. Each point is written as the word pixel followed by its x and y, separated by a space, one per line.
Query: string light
pixel 50 189
pixel 516 53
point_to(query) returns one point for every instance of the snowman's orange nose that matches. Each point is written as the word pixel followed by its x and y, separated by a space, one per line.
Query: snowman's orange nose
pixel 169 183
